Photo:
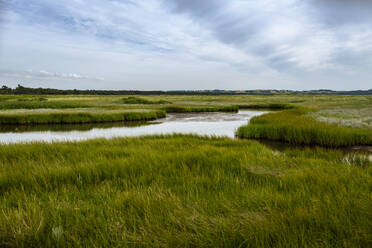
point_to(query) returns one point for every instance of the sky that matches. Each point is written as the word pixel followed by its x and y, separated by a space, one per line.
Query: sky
pixel 186 44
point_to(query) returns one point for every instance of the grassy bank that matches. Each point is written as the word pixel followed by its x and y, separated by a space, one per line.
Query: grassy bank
pixel 293 126
pixel 70 127
pixel 181 191
pixel 36 104
pixel 178 109
pixel 190 103
pixel 76 117
pixel 270 106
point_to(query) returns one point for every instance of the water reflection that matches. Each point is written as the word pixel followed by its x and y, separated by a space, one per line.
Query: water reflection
pixel 69 127
pixel 217 124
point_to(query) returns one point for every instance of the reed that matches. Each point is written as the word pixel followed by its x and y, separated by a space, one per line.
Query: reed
pixel 181 191
pixel 70 127
pixel 293 126
pixel 76 117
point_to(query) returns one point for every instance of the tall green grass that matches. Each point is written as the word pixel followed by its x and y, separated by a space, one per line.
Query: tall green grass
pixel 76 117
pixel 179 109
pixel 294 127
pixel 181 191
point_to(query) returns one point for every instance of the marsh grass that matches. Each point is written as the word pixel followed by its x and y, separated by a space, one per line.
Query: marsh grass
pixel 138 100
pixel 76 117
pixel 40 99
pixel 113 102
pixel 293 126
pixel 179 109
pixel 181 191
pixel 70 127
pixel 185 191
pixel 356 118
pixel 270 106
pixel 21 103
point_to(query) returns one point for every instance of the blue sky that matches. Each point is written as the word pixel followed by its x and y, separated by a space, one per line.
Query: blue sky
pixel 186 44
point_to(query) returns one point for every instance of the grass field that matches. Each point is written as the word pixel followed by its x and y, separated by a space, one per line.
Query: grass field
pixel 25 107
pixel 190 191
pixel 181 191
pixel 295 127
pixel 350 117
pixel 320 102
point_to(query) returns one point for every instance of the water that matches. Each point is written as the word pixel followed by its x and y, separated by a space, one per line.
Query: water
pixel 216 124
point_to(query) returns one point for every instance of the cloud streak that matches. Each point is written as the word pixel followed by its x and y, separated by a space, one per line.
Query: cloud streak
pixel 284 32
pixel 43 74
pixel 169 44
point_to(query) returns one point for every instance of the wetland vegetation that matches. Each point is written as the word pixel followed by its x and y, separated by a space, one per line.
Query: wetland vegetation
pixel 181 191
pixel 186 190
pixel 138 100
pixel 293 126
pixel 77 117
pixel 178 109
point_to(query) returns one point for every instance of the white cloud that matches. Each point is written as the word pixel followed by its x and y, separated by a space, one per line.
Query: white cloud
pixel 167 44
pixel 42 74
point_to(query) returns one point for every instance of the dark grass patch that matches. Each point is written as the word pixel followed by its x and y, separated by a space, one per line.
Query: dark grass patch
pixel 271 106
pixel 138 100
pixel 69 127
pixel 178 109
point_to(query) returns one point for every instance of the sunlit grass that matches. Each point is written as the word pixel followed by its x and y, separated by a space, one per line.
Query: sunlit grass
pixel 357 118
pixel 293 126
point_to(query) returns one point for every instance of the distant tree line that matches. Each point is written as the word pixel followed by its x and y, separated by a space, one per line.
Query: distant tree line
pixel 21 90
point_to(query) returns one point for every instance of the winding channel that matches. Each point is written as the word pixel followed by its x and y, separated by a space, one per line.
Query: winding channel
pixel 212 124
